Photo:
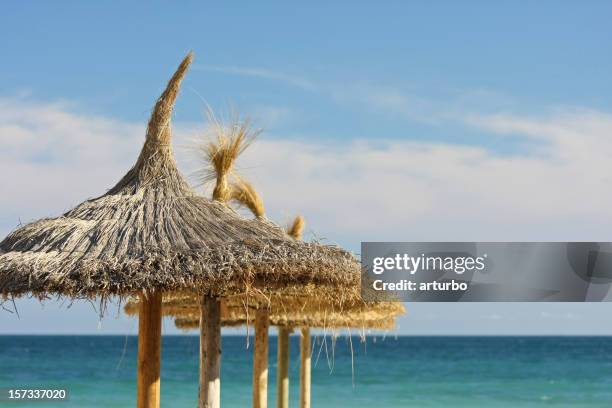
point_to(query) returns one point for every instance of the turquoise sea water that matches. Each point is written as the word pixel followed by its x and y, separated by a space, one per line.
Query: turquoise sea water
pixel 100 371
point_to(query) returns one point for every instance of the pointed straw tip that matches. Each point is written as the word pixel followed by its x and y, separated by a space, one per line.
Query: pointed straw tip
pixel 297 227
pixel 188 58
pixel 158 130
pixel 180 72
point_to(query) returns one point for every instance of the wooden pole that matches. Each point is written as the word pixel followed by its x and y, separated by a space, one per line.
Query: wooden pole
pixel 202 387
pixel 210 389
pixel 260 359
pixel 305 355
pixel 282 380
pixel 149 350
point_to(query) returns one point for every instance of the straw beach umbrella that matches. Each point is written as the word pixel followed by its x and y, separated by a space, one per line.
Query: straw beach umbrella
pixel 187 319
pixel 220 156
pixel 287 313
pixel 150 234
pixel 282 312
pixel 378 316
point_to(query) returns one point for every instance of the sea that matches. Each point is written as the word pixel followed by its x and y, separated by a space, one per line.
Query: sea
pixel 347 371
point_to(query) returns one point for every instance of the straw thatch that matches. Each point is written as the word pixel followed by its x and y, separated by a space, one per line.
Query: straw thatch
pixel 180 306
pixel 233 317
pixel 153 232
pixel 289 305
pixel 285 313
pixel 379 324
pixel 291 312
pixel 193 323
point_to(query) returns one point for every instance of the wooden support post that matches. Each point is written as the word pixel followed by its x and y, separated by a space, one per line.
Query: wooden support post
pixel 202 386
pixel 305 355
pixel 260 359
pixel 149 350
pixel 282 380
pixel 210 389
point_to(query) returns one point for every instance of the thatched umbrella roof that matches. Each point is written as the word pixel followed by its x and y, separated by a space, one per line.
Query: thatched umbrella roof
pixel 287 312
pixel 388 323
pixel 176 304
pixel 233 317
pixel 151 231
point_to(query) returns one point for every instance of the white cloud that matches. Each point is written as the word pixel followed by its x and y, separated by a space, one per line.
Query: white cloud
pixel 408 190
pixel 51 157
pixel 349 191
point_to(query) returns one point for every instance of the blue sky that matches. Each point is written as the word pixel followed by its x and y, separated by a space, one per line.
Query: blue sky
pixel 416 121
pixel 519 56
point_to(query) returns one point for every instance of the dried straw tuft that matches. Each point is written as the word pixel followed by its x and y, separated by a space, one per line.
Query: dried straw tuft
pixel 295 230
pixel 230 140
pixel 243 193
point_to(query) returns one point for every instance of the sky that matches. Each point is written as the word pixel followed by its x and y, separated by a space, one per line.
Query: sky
pixel 403 121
